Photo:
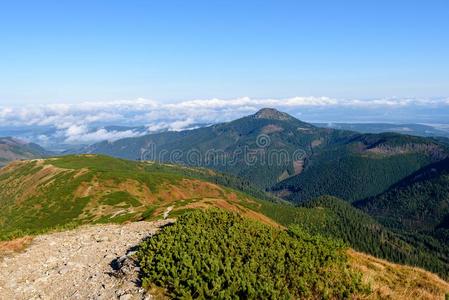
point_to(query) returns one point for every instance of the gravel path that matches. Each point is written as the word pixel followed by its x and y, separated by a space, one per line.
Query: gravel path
pixel 90 262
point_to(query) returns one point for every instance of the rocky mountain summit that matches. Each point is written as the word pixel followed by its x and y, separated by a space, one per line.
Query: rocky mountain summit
pixel 272 114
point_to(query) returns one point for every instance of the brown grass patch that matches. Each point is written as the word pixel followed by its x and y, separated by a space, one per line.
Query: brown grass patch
pixel 316 143
pixel 85 189
pixel 298 166
pixel 283 176
pixel 17 245
pixel 189 188
pixel 234 207
pixel 81 172
pixel 138 190
pixel 12 166
pixel 262 218
pixel 393 281
pixel 282 193
pixel 271 129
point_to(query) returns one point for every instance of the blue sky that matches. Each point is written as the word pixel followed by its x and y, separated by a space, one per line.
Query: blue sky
pixel 71 51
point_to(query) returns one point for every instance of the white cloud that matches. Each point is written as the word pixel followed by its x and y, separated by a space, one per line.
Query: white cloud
pixel 83 122
pixel 99 135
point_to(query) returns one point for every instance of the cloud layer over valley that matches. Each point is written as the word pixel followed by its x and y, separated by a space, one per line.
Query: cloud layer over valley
pixel 89 122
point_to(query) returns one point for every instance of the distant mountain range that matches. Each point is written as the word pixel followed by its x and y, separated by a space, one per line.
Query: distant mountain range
pixel 410 129
pixel 60 140
pixel 13 149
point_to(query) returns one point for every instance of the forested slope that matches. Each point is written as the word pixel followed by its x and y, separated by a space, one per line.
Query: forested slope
pixel 333 217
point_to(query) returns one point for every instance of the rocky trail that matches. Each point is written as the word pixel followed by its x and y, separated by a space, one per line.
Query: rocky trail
pixel 90 262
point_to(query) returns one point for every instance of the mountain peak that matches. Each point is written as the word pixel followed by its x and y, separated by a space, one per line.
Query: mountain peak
pixel 271 113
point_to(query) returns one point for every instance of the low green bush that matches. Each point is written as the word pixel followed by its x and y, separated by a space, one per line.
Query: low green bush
pixel 220 255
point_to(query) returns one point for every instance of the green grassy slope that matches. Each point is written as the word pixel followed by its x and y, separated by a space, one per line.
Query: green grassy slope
pixel 38 195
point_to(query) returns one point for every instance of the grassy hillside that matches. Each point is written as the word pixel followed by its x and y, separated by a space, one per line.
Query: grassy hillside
pixel 13 149
pixel 393 281
pixel 39 195
pixel 296 160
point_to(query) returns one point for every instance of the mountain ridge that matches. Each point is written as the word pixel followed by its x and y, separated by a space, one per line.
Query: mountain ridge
pixel 42 194
pixel 15 149
pixel 277 152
